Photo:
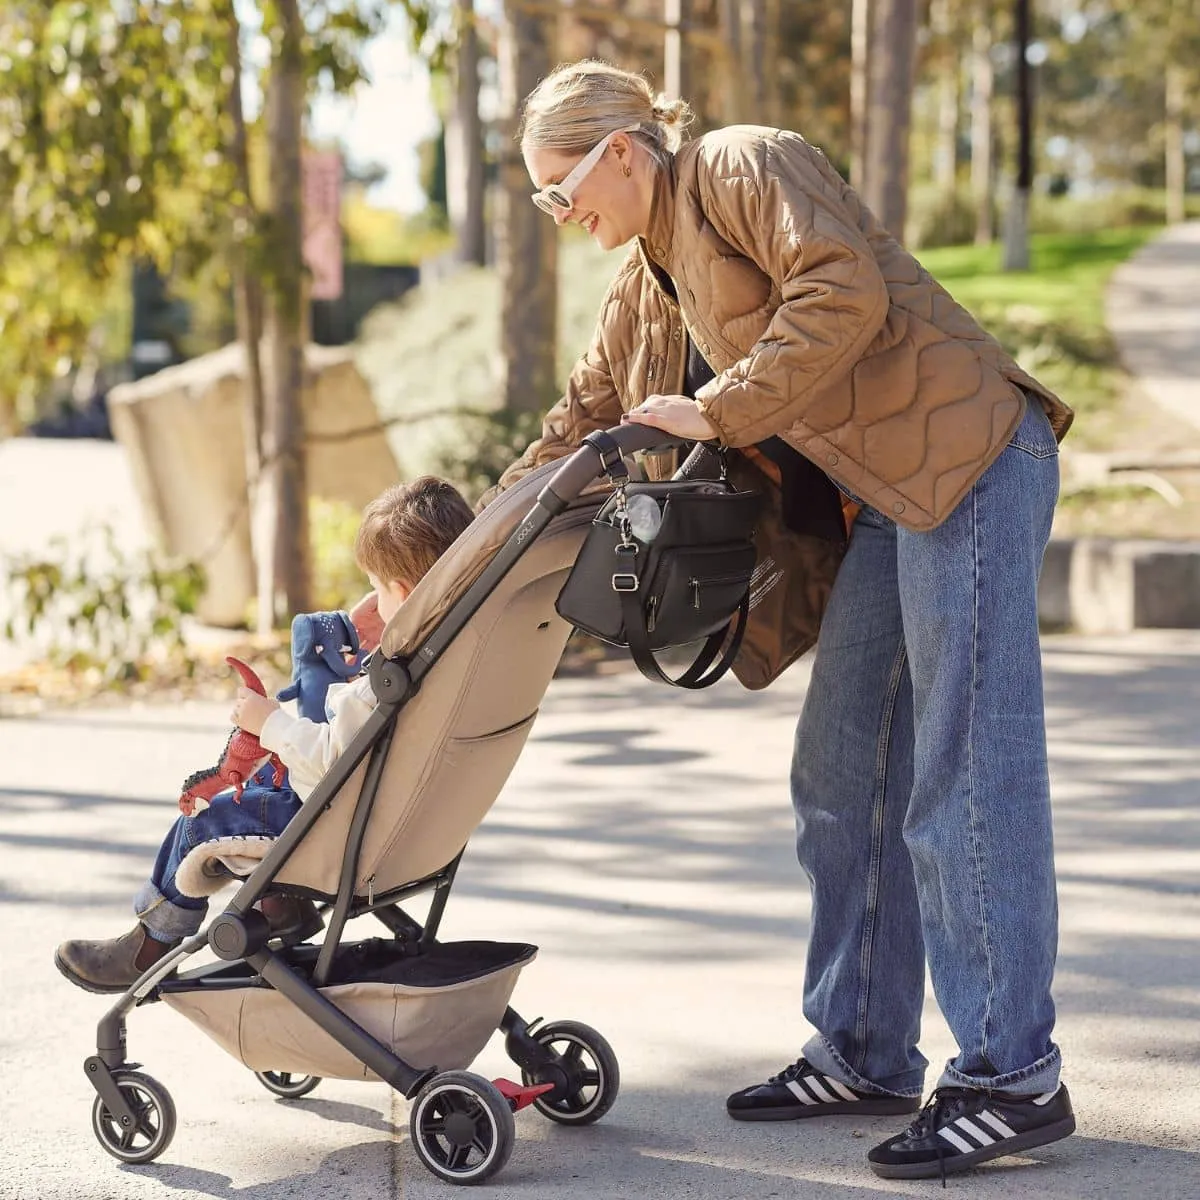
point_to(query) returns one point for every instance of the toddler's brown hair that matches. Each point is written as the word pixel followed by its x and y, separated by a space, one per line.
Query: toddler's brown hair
pixel 409 527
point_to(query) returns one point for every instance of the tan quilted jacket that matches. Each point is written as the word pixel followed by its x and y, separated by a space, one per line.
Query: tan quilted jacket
pixel 822 328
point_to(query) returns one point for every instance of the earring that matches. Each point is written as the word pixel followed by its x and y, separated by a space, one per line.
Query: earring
pixel 626 170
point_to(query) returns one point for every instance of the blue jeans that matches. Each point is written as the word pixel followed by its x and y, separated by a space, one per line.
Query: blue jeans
pixel 922 793
pixel 262 812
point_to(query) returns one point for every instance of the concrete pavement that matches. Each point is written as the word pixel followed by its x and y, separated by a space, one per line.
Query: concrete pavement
pixel 1153 311
pixel 644 842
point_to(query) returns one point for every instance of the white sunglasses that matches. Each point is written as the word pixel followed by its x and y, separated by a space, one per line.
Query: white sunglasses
pixel 557 197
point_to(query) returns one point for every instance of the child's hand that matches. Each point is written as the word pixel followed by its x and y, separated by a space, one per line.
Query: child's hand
pixel 364 616
pixel 250 710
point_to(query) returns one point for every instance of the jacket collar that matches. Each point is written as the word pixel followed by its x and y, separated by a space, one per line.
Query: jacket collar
pixel 657 243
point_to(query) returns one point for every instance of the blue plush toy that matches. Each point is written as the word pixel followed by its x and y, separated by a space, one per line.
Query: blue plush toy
pixel 320 642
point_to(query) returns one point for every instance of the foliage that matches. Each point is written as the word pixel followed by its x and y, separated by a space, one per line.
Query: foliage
pixel 89 604
pixel 107 108
pixel 490 443
pixel 380 235
pixel 337 581
pixel 115 143
pixel 431 358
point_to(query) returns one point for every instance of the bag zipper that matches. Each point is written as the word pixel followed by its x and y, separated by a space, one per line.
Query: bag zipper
pixel 697 584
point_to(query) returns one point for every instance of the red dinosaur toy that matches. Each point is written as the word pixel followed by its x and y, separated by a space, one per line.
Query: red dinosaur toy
pixel 241 758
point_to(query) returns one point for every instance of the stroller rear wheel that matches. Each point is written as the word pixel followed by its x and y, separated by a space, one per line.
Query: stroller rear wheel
pixel 286 1084
pixel 461 1127
pixel 592 1076
pixel 153 1124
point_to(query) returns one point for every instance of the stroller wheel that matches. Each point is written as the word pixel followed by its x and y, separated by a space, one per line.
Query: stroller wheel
pixel 592 1076
pixel 153 1119
pixel 286 1084
pixel 461 1127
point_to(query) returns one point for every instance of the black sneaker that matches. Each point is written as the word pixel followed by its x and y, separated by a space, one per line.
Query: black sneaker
pixel 802 1091
pixel 959 1128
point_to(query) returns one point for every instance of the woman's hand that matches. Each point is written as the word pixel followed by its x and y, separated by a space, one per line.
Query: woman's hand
pixel 679 415
pixel 250 710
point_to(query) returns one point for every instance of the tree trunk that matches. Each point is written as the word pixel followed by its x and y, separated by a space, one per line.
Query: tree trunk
pixel 283 568
pixel 1016 234
pixel 760 26
pixel 1176 163
pixel 735 65
pixel 464 145
pixel 247 291
pixel 893 41
pixel 983 86
pixel 860 54
pixel 945 155
pixel 527 239
pixel 676 56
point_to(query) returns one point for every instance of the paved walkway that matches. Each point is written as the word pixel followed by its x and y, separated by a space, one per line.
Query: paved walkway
pixel 645 843
pixel 1153 311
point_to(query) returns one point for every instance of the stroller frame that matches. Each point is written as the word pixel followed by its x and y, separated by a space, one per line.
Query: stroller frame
pixel 240 932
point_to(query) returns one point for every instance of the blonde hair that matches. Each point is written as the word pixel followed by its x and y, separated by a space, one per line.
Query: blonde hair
pixel 408 528
pixel 579 103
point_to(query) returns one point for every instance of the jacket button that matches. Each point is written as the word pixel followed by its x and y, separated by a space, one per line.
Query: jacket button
pixel 898 506
pixel 677 334
pixel 833 460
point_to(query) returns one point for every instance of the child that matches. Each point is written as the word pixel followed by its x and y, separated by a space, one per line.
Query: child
pixel 403 533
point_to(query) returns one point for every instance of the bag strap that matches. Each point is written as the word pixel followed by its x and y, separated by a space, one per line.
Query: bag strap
pixel 694 677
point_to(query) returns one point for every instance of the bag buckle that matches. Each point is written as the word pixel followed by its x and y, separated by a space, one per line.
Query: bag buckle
pixel 623 582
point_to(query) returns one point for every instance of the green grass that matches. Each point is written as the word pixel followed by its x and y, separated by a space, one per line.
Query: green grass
pixel 1066 281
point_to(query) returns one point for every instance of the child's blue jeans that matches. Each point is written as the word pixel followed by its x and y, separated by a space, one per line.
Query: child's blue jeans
pixel 261 812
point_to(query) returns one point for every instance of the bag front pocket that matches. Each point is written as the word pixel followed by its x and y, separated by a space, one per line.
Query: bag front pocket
pixel 696 591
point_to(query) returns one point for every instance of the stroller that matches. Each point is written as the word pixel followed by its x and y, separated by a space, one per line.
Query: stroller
pixel 459 677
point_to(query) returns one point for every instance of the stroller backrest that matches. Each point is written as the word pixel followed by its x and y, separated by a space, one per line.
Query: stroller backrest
pixel 458 738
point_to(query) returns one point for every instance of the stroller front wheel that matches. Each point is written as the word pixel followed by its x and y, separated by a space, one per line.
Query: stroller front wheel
pixel 592 1075
pixel 287 1085
pixel 461 1127
pixel 153 1124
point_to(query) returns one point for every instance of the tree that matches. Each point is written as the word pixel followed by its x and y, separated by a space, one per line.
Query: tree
pixel 1016 237
pixel 122 137
pixel 527 242
pixel 890 56
pixel 464 142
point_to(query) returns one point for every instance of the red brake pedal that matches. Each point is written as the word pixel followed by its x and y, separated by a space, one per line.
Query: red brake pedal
pixel 520 1097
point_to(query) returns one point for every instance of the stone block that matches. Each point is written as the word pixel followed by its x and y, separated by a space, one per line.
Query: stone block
pixel 182 431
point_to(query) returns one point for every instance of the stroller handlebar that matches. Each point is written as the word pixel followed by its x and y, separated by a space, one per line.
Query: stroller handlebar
pixel 585 465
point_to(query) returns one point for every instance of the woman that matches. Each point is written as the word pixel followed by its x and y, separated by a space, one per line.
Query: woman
pixel 762 304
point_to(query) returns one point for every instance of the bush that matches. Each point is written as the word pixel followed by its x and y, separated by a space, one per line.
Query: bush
pixel 88 604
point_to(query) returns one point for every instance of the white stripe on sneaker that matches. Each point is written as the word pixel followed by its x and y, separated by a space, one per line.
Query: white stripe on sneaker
pixel 800 1094
pixel 1001 1127
pixel 959 1143
pixel 969 1127
pixel 810 1081
pixel 838 1086
pixel 1046 1097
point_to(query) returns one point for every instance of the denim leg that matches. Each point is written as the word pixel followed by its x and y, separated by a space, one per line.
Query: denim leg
pixel 851 778
pixel 262 812
pixel 979 825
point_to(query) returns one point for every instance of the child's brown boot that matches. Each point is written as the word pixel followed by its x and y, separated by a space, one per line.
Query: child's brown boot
pixel 111 965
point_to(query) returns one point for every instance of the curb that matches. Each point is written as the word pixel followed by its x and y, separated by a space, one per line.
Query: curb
pixel 1115 585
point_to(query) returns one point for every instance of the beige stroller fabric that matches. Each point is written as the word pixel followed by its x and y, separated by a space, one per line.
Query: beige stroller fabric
pixel 458 739
pixel 443 1027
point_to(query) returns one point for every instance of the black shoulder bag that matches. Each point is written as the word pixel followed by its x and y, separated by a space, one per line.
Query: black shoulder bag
pixel 689 580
